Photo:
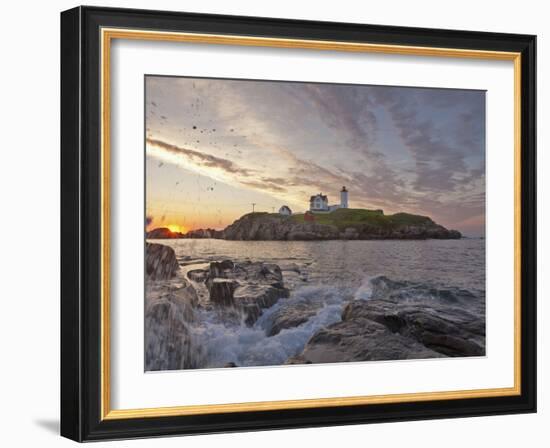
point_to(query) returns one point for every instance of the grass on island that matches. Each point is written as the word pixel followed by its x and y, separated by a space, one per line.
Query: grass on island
pixel 350 217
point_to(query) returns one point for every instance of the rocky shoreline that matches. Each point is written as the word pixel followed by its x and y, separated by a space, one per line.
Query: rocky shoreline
pixel 400 319
pixel 391 328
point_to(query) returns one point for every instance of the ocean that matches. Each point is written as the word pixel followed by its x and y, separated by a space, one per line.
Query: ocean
pixel 322 276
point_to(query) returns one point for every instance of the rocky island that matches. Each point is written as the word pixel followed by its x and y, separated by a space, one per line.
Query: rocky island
pixel 341 224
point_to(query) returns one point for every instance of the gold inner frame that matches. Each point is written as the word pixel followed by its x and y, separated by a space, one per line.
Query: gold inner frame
pixel 107 35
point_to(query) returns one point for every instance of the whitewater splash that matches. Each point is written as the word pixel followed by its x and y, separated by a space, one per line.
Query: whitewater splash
pixel 196 336
pixel 331 305
pixel 242 345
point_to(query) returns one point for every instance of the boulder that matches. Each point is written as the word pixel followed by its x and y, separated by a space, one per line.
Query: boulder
pixel 253 298
pixel 403 291
pixel 360 340
pixel 290 317
pixel 221 290
pixel 402 320
pixel 448 330
pixel 197 275
pixel 160 262
pixel 248 287
pixel 168 341
pixel 220 268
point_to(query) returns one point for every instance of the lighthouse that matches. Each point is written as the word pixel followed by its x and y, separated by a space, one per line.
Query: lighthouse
pixel 319 202
pixel 344 198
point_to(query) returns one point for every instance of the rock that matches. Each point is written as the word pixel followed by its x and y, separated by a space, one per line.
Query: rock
pixel 293 279
pixel 253 298
pixel 402 320
pixel 230 364
pixel 347 224
pixel 160 262
pixel 290 317
pixel 350 233
pixel 197 275
pixel 204 233
pixel 290 267
pixel 360 340
pixel 163 233
pixel 298 359
pixel 168 342
pixel 265 226
pixel 450 331
pixel 401 291
pixel 248 287
pixel 221 290
pixel 218 269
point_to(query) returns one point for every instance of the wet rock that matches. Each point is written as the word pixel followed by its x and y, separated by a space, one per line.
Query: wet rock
pixel 248 287
pixel 298 359
pixel 187 260
pixel 360 340
pixel 221 291
pixel 160 262
pixel 290 317
pixel 197 275
pixel 220 268
pixel 448 330
pixel 402 320
pixel 293 279
pixel 168 342
pixel 253 298
pixel 402 291
pixel 290 267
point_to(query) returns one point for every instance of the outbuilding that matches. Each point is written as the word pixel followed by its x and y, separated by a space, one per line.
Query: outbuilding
pixel 285 210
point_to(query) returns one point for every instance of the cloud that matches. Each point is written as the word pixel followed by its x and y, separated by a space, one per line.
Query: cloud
pixel 396 148
pixel 264 185
pixel 200 158
pixel 346 110
pixel 439 150
pixel 351 112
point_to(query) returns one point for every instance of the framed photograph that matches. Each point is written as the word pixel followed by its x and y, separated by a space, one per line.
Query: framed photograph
pixel 273 223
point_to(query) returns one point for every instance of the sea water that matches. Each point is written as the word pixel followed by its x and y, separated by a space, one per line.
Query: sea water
pixel 323 276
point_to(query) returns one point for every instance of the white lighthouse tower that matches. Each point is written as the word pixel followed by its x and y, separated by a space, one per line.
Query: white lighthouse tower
pixel 344 198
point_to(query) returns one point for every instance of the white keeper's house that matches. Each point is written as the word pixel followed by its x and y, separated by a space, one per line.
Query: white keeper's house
pixel 319 202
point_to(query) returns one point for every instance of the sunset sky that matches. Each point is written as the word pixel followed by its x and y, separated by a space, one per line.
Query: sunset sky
pixel 214 147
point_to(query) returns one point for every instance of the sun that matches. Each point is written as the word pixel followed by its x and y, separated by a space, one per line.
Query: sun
pixel 176 228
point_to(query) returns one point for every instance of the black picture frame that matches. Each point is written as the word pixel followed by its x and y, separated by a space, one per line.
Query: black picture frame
pixel 81 210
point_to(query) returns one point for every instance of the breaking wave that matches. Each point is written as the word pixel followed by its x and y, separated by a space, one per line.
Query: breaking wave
pixel 323 277
pixel 204 339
